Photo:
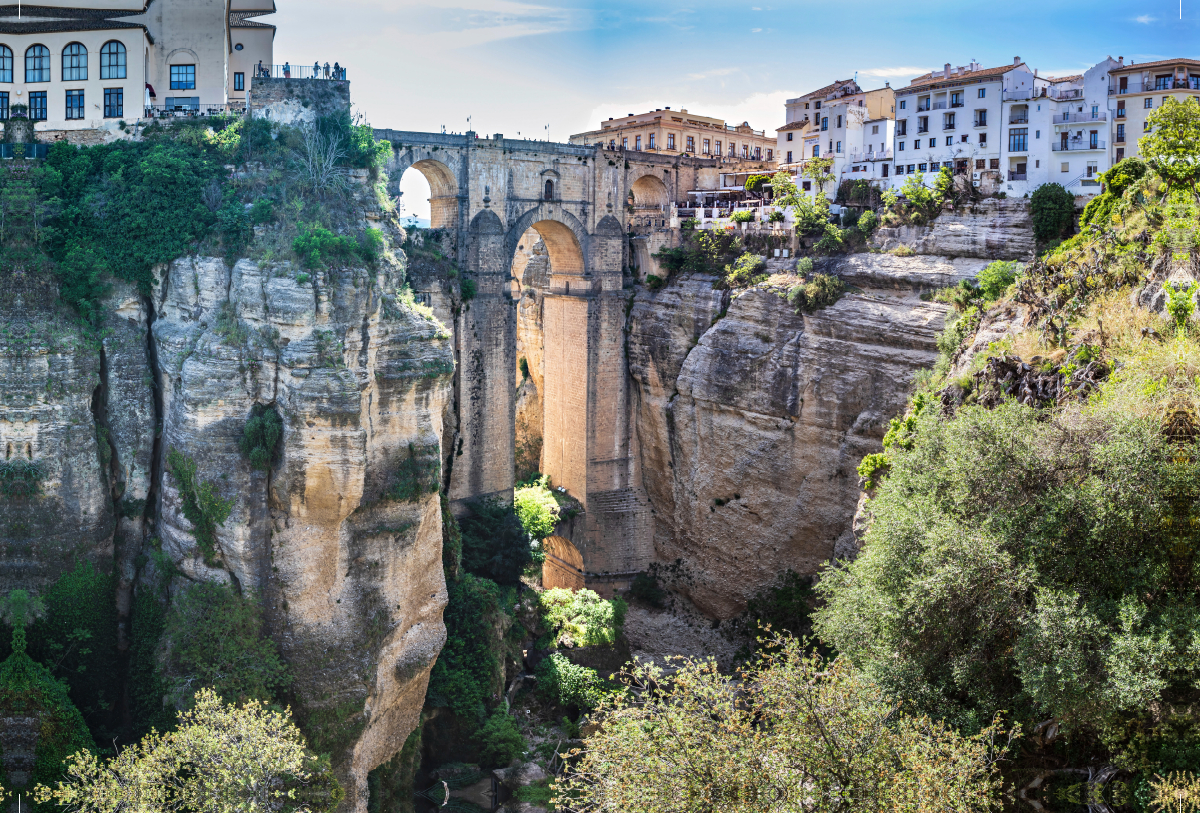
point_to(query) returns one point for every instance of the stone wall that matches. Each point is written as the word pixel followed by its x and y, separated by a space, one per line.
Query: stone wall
pixel 992 229
pixel 296 101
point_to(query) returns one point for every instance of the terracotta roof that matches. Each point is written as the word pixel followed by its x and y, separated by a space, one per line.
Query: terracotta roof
pixel 795 125
pixel 933 77
pixel 1162 63
pixel 825 91
pixel 1054 80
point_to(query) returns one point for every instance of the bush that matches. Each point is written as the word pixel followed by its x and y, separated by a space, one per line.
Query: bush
pixel 318 247
pixel 536 509
pixel 872 468
pixel 703 252
pixel 581 618
pixel 471 663
pixel 996 277
pixel 868 223
pixel 500 740
pixel 757 182
pixel 820 292
pixel 469 288
pixel 645 588
pixel 742 216
pixel 218 639
pixel 495 544
pixel 654 282
pixel 775 217
pixel 260 439
pixel 746 270
pixel 1052 208
pixel 567 684
pixel 417 474
pixel 262 211
pixel 783 608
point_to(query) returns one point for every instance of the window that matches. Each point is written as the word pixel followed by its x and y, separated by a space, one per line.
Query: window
pixel 770 154
pixel 900 147
pixel 994 163
pixel 239 81
pixel 808 186
pixel 4 105
pixel 980 163
pixel 935 166
pixel 624 143
pixel 916 144
pixel 1120 153
pixel 745 150
pixel 1066 167
pixel 549 190
pixel 885 169
pixel 923 167
pixel 1093 168
pixel 691 143
pixel 37 105
pixel 932 143
pixel 37 64
pixel 948 123
pixel 839 124
pixel 789 156
pixel 818 106
pixel 789 136
pixel 981 118
pixel 670 141
pixel 114 103
pixel 825 122
pixel 899 169
pixel 982 93
pixel 74 104
pixel 816 150
pixel 1149 102
pixel 1018 139
pixel 983 139
pixel 74 63
pixel 1037 164
pixel 874 129
pixel 956 99
pixel 183 77
pixel 6 64
pixel 1145 126
pixel 964 138
pixel 612 143
pixel 637 143
pixel 839 147
pixel 1165 99
pixel 903 106
pixel 902 127
pixel 651 143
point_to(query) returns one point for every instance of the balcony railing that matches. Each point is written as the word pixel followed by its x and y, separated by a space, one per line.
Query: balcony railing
pixel 1021 119
pixel 1074 145
pixel 939 105
pixel 1016 95
pixel 956 104
pixel 922 108
pixel 980 122
pixel 289 71
pixel 1064 95
pixel 873 155
pixel 949 126
pixel 1191 83
pixel 187 109
pixel 1016 176
pixel 922 130
pixel 1075 118
pixel 1119 139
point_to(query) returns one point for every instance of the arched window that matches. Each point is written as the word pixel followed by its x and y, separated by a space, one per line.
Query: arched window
pixel 112 60
pixel 37 64
pixel 6 64
pixel 549 190
pixel 74 63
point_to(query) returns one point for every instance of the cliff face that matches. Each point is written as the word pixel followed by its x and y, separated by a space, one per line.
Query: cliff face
pixel 992 229
pixel 351 577
pixel 751 424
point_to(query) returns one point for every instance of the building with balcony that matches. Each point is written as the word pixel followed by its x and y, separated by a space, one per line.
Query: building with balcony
pixel 85 65
pixel 678 132
pixel 954 117
pixel 1135 91
pixel 836 121
pixel 1058 133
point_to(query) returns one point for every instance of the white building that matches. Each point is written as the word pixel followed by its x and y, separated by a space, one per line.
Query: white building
pixel 952 117
pixel 1058 133
pixel 1135 91
pixel 870 155
pixel 82 64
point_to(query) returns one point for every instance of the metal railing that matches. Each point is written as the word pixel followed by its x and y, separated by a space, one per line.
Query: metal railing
pixel 1016 176
pixel 980 122
pixel 1077 144
pixel 939 105
pixel 873 155
pixel 1017 95
pixel 189 110
pixel 957 104
pixel 1074 118
pixel 1063 95
pixel 1119 139
pixel 289 71
pixel 949 126
pixel 1022 119
pixel 1191 83
pixel 924 129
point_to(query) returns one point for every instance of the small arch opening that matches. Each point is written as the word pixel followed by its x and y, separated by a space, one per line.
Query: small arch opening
pixel 549 195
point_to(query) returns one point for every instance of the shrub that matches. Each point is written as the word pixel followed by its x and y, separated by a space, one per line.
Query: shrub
pixel 418 473
pixel 469 288
pixel 783 608
pixel 804 266
pixel 536 509
pixel 775 217
pixel 218 639
pixel 654 282
pixel 868 223
pixel 996 277
pixel 746 270
pixel 581 618
pixel 262 211
pixel 872 468
pixel 567 684
pixel 495 545
pixel 757 182
pixel 260 439
pixel 742 216
pixel 318 247
pixel 200 503
pixel 645 588
pixel 471 662
pixel 704 252
pixel 1051 208
pixel 820 292
pixel 903 251
pixel 833 241
pixel 500 739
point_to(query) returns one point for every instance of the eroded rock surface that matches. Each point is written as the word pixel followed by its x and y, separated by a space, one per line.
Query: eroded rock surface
pixel 992 229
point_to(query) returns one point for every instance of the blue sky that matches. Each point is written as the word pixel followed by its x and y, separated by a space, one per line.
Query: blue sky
pixel 516 67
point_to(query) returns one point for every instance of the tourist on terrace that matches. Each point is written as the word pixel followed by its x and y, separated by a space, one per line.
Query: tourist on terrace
pixel 287 70
pixel 337 71
pixel 326 70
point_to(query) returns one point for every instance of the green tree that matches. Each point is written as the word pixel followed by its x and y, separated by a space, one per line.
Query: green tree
pixel 536 509
pixel 1172 145
pixel 794 733
pixel 818 171
pixel 221 758
pixel 1051 208
pixel 756 182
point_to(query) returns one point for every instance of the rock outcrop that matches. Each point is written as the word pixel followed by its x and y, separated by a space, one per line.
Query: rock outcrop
pixel 753 418
pixel 342 537
pixel 992 229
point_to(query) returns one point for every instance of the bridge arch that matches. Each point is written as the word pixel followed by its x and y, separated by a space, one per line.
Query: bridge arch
pixel 565 237
pixel 443 186
pixel 649 191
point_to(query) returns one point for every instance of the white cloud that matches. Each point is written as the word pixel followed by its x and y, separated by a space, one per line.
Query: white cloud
pixel 755 30
pixel 1145 19
pixel 902 70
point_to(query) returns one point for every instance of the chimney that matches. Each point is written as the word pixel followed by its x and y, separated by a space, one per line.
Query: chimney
pixel 666 108
pixel 1035 70
pixel 887 84
pixel 683 110
pixel 1121 61
pixel 946 71
pixel 1016 60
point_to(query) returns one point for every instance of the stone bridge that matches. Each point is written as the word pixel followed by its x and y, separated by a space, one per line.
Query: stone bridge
pixel 487 193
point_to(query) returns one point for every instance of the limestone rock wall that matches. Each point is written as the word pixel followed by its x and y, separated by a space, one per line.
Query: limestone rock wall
pixel 752 420
pixel 992 229
pixel 351 578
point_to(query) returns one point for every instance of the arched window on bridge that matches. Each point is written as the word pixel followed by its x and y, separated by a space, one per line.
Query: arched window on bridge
pixel 549 190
